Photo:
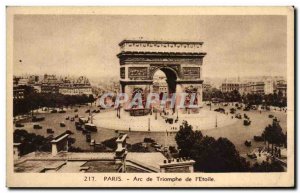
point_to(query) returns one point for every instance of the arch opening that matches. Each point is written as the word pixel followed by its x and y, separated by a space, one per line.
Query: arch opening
pixel 164 80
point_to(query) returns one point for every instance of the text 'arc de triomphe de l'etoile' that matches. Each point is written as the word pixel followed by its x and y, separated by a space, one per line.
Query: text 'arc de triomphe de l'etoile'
pixel 181 61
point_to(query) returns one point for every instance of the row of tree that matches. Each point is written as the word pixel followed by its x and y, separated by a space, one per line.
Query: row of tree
pixel 275 99
pixel 33 100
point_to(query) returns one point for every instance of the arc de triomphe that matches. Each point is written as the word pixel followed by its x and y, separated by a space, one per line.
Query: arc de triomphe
pixel 180 61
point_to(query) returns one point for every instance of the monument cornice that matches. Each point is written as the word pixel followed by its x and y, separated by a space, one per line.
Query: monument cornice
pixel 162 54
pixel 185 81
pixel 159 42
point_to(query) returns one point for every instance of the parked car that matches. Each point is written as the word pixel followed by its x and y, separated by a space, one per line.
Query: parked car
pixel 248 143
pixel 19 125
pixel 221 110
pixel 232 110
pixel 72 119
pixel 90 127
pixel 37 126
pixel 62 124
pixel 53 111
pixel 246 116
pixel 78 126
pixel 83 120
pixel 76 110
pixel 271 116
pixel 247 122
pixel 62 111
pixel 238 116
pixel 67 118
pixel 246 109
pixel 252 155
pixel 37 119
pixel 50 131
pixel 253 107
pixel 258 138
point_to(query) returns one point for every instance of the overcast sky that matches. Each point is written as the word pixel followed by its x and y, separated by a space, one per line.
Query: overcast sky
pixel 88 45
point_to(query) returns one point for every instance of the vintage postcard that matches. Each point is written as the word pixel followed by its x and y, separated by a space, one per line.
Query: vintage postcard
pixel 150 97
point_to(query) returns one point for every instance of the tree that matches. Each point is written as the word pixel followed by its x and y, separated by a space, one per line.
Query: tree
pixel 210 155
pixel 186 138
pixel 217 156
pixel 31 142
pixel 273 134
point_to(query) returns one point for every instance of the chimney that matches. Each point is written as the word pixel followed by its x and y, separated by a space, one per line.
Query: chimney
pixel 121 151
pixel 17 151
pixel 60 143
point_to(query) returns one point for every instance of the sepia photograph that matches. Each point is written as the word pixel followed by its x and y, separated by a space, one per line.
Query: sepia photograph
pixel 150 97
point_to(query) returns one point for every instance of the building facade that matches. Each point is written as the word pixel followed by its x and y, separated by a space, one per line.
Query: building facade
pixel 66 86
pixel 231 86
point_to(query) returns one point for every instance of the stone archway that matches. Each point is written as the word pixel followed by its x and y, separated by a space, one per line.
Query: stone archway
pixel 180 61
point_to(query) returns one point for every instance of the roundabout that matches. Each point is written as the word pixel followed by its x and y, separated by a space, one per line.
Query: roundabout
pixel 204 120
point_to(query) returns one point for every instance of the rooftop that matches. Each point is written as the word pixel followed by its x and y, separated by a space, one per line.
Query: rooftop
pixel 72 162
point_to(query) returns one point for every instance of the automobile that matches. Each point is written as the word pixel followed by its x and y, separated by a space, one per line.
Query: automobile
pixel 246 116
pixel 83 120
pixel 97 111
pixel 232 110
pixel 157 146
pixel 90 127
pixel 247 122
pixel 37 119
pixel 271 116
pixel 62 111
pixel 78 126
pixel 50 131
pixel 239 107
pixel 72 119
pixel 62 124
pixel 53 111
pixel 69 132
pixel 252 155
pixel 238 116
pixel 208 104
pixel 169 120
pixel 92 143
pixel 85 131
pixel 246 109
pixel 76 110
pixel 87 111
pixel 248 143
pixel 37 126
pixel 258 138
pixel 253 107
pixel 221 110
pixel 19 125
pixel 67 118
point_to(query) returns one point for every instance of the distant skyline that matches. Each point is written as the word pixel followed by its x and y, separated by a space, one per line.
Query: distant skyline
pixel 88 44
